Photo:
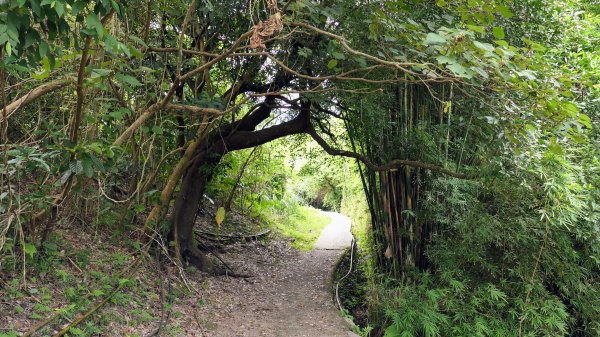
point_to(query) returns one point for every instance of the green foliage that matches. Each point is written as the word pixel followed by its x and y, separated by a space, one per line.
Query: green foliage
pixel 262 183
pixel 319 180
pixel 514 251
pixel 66 281
pixel 32 31
pixel 513 258
pixel 10 333
pixel 303 224
pixel 506 91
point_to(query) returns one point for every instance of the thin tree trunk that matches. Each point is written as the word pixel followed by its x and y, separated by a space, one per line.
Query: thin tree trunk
pixel 238 179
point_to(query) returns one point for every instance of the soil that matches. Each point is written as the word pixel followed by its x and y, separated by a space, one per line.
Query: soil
pixel 287 297
pixel 287 294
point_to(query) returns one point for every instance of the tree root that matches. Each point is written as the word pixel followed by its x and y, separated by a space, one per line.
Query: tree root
pixel 226 237
pixel 204 264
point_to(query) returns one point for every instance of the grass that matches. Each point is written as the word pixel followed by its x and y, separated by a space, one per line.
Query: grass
pixel 304 224
pixel 66 279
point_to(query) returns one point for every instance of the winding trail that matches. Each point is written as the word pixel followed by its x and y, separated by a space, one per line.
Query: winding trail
pixel 337 235
pixel 287 298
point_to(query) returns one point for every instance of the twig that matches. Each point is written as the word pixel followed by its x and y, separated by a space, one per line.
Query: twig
pixel 230 236
pixel 98 305
pixel 75 264
pixel 233 273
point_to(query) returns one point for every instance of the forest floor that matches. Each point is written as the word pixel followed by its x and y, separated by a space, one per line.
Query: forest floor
pixel 286 294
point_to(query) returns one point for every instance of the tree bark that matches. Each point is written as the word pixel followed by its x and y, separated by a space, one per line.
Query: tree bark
pixel 202 167
pixel 33 95
pixel 193 184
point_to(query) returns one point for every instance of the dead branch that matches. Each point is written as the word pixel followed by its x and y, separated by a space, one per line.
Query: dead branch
pixel 34 94
pixel 211 236
pixel 194 109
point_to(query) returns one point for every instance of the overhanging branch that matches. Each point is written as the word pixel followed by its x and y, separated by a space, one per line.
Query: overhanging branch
pixel 33 95
pixel 247 139
pixel 394 164
pixel 194 109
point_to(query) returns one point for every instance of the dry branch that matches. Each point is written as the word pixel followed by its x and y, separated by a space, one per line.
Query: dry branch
pixel 212 236
pixel 194 109
pixel 33 95
pixel 342 40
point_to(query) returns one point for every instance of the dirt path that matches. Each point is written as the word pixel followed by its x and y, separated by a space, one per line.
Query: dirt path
pixel 288 297
pixel 337 234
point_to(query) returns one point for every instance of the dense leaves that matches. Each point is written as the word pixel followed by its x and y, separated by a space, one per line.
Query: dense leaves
pixel 473 124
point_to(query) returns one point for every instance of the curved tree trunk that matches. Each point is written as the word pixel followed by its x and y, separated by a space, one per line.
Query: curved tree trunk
pixel 240 135
pixel 193 184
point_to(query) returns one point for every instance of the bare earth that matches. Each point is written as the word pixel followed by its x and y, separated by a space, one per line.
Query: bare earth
pixel 288 297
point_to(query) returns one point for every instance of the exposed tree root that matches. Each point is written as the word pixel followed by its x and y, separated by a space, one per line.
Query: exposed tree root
pixel 227 237
pixel 203 263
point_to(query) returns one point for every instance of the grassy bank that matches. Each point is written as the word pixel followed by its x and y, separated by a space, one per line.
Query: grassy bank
pixel 302 223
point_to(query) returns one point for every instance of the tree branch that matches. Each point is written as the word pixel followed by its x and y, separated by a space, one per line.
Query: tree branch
pixel 150 111
pixel 394 164
pixel 33 95
pixel 194 109
pixel 247 139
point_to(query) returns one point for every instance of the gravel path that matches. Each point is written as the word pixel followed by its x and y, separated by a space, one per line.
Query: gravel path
pixel 288 297
pixel 337 234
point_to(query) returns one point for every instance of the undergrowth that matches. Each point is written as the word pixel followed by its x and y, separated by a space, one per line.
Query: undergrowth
pixel 301 223
pixel 350 280
pixel 68 275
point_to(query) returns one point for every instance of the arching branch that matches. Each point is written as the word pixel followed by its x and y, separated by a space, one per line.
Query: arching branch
pixel 247 139
pixel 394 164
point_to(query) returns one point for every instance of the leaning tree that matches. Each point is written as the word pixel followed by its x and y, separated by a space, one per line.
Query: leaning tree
pixel 138 89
